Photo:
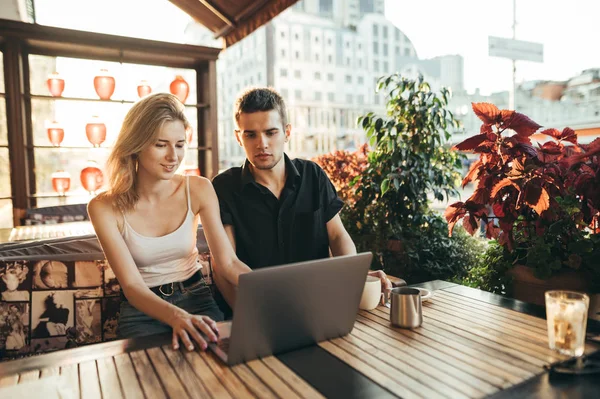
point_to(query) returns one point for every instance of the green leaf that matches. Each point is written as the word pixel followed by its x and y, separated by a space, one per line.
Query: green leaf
pixel 385 186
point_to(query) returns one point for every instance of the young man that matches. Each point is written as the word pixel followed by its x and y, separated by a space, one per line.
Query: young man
pixel 276 210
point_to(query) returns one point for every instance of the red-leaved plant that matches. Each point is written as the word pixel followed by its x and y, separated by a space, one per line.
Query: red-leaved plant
pixel 542 199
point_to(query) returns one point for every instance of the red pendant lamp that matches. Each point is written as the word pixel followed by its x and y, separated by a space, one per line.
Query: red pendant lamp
pixel 56 133
pixel 144 89
pixel 55 84
pixel 91 177
pixel 180 88
pixel 61 182
pixel 95 131
pixel 104 83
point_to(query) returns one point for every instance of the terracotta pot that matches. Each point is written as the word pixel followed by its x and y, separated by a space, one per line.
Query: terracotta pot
pixel 61 182
pixel 56 133
pixel 144 89
pixel 104 83
pixel 91 178
pixel 528 288
pixel 56 85
pixel 188 136
pixel 191 171
pixel 95 131
pixel 180 88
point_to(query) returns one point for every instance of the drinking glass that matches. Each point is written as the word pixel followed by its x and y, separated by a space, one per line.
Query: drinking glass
pixel 566 315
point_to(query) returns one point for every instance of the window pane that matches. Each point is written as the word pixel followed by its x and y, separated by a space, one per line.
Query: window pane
pixel 6 214
pixel 5 190
pixel 2 89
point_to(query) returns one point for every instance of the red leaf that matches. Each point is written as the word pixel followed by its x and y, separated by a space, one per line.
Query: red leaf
pixel 505 116
pixel 487 112
pixel 569 135
pixel 499 186
pixel 536 196
pixel 498 209
pixel 472 174
pixel 480 196
pixel 550 151
pixel 470 143
pixel 551 132
pixel 492 231
pixel 453 213
pixel 522 125
pixel 485 128
pixel 470 224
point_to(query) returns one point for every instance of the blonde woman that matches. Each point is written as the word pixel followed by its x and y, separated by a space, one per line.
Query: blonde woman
pixel 146 223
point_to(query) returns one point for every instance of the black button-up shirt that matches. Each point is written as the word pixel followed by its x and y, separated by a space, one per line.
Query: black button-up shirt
pixel 271 231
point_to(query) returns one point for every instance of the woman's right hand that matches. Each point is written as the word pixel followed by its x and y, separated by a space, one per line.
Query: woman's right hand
pixel 186 325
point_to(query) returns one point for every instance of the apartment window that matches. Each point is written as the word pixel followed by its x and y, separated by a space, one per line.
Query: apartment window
pixel 360 99
pixel 317 75
pixel 375 29
pixel 347 44
pixel 251 80
pixel 297 55
pixel 296 36
pixel 398 34
pixel 385 66
pixel 385 32
pixel 330 77
pixel 360 62
pixel 361 80
pixel 282 34
pixel 318 96
pixel 298 94
pixel 297 74
pixel 385 49
pixel 397 50
pixel 329 41
pixel 259 77
pixel 331 97
pixel 326 6
pixel 330 59
pixel 283 52
pixel 359 46
pixel 316 39
pixel 284 93
pixel 376 100
pixel 347 61
pixel 349 98
pixel 348 78
pixel 317 57
pixel 376 66
pixel 375 48
pixel 407 51
pixel 283 72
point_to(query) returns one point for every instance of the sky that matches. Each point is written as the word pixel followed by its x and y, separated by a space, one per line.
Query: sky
pixel 435 27
pixel 439 27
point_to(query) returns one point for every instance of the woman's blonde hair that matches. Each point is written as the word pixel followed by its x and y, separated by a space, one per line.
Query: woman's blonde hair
pixel 140 129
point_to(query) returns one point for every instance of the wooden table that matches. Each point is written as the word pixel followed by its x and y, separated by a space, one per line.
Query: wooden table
pixel 472 344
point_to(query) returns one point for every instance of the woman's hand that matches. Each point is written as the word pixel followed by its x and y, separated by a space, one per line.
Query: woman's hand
pixel 386 284
pixel 186 325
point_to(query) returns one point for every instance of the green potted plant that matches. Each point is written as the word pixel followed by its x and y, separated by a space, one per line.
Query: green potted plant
pixel 391 185
pixel 540 204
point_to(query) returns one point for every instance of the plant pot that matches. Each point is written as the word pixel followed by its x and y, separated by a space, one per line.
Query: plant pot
pixel 528 288
pixel 104 84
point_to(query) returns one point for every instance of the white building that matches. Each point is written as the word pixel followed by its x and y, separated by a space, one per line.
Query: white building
pixel 324 57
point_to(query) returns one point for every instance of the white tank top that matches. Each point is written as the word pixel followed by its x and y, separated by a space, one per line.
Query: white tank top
pixel 169 258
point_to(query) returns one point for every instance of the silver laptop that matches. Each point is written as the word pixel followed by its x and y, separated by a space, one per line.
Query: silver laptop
pixel 282 308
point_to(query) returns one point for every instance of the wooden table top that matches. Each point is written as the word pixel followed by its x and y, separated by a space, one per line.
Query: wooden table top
pixel 471 345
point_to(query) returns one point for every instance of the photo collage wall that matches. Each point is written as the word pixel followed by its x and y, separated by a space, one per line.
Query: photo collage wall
pixel 48 305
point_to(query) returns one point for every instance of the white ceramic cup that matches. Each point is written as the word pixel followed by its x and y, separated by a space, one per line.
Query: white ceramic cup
pixel 371 294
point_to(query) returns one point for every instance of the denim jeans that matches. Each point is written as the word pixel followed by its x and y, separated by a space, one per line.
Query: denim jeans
pixel 196 299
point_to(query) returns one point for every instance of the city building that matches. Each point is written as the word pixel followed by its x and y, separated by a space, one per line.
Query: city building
pixel 324 57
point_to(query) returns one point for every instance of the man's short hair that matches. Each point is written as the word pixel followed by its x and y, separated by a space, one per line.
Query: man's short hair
pixel 260 99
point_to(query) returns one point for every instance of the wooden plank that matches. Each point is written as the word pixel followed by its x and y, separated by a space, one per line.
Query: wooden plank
pixel 380 378
pixel 226 376
pixel 537 336
pixel 50 372
pixel 514 373
pixel 70 374
pixel 214 387
pixel 191 382
pixel 109 380
pixel 504 352
pixel 491 309
pixel 440 371
pixel 419 374
pixel 147 376
pixel 166 374
pixel 129 381
pixel 541 353
pixel 9 380
pixel 477 302
pixel 450 356
pixel 291 378
pixel 88 380
pixel 253 383
pixel 31 375
pixel 271 379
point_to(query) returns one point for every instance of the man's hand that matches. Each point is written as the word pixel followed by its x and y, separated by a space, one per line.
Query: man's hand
pixel 386 284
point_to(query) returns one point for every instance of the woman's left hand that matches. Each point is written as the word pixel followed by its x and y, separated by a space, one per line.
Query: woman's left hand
pixel 386 284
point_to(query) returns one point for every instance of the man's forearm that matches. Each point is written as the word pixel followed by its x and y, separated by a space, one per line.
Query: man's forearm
pixel 342 245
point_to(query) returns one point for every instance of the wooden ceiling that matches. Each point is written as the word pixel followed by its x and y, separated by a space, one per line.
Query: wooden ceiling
pixel 233 20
